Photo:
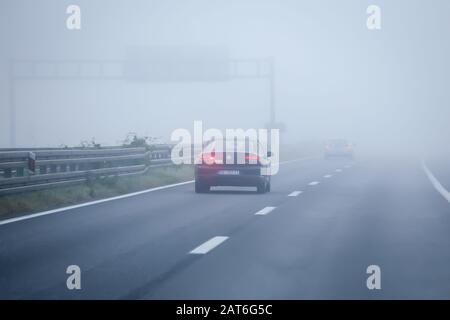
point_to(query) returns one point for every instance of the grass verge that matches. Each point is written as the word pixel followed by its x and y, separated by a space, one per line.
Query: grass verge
pixel 24 203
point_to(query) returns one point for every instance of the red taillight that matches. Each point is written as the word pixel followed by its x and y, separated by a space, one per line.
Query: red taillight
pixel 252 157
pixel 349 146
pixel 208 158
pixel 327 147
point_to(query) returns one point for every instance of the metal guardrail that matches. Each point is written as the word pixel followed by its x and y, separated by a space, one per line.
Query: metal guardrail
pixel 36 169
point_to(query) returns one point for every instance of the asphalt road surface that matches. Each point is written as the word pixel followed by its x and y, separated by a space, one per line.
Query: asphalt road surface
pixel 313 236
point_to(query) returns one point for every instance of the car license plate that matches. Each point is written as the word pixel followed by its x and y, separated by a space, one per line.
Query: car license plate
pixel 228 172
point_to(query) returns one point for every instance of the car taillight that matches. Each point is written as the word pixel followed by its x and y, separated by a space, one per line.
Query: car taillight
pixel 327 147
pixel 349 146
pixel 208 158
pixel 252 157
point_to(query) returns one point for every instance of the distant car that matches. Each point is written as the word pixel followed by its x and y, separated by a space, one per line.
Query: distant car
pixel 338 148
pixel 245 164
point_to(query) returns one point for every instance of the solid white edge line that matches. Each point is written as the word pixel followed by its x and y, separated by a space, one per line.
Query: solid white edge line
pixel 44 213
pixel 207 246
pixel 128 195
pixel 435 182
pixel 295 193
pixel 265 211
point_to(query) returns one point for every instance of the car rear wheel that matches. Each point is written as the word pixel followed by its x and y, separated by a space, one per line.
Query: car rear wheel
pixel 261 187
pixel 201 187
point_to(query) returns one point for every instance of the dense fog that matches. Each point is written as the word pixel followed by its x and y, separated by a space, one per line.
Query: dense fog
pixel 333 77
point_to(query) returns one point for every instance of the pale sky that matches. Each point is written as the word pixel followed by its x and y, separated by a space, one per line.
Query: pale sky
pixel 334 77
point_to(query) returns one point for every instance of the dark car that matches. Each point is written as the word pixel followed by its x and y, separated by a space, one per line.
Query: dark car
pixel 338 148
pixel 233 163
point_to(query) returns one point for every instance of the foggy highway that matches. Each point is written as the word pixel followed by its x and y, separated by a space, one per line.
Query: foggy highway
pixel 313 236
pixel 117 117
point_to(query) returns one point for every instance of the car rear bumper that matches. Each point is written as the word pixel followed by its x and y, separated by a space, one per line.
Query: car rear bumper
pixel 248 176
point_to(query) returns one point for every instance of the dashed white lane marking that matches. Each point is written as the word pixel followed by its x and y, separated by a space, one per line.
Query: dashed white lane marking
pixel 207 246
pixel 338 170
pixel 314 183
pixel 348 166
pixel 265 211
pixel 436 184
pixel 328 176
pixel 294 194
